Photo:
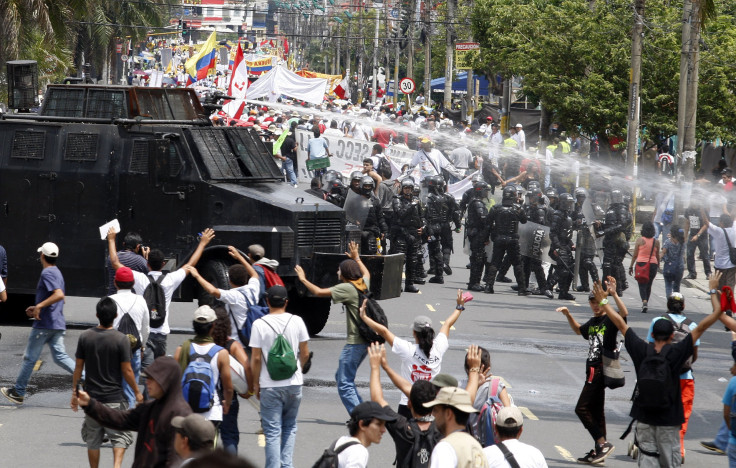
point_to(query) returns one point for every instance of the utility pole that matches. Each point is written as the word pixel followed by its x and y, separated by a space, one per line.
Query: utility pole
pixel 691 106
pixel 632 133
pixel 685 66
pixel 449 49
pixel 374 84
pixel 410 47
pixel 506 106
pixel 428 53
pixel 396 76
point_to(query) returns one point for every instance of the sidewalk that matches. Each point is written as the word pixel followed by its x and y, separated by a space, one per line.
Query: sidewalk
pixel 701 282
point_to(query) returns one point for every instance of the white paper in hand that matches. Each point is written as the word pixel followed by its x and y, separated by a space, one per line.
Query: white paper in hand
pixel 106 227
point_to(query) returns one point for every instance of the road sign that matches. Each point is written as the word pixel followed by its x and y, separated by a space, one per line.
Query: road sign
pixel 124 58
pixel 407 86
pixel 461 54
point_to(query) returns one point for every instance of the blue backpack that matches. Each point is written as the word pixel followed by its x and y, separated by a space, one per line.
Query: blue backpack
pixel 255 311
pixel 198 381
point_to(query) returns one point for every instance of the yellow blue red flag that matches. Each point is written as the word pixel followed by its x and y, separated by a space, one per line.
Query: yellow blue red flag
pixel 198 65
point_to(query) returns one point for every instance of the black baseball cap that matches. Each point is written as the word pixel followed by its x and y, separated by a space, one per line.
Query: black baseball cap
pixel 277 292
pixel 372 410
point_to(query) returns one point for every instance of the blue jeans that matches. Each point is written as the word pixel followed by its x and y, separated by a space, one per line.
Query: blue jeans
pixel 672 283
pixel 229 428
pixel 135 363
pixel 279 408
pixel 350 358
pixel 287 165
pixel 37 339
pixel 731 456
pixel 721 440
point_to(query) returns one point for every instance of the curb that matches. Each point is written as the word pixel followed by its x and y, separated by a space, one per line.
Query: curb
pixel 695 284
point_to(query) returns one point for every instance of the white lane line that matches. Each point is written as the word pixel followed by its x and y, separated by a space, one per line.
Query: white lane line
pixel 527 412
pixel 565 453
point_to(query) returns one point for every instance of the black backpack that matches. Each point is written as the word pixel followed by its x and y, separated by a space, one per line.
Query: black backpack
pixel 384 167
pixel 127 327
pixel 155 300
pixel 374 310
pixel 329 456
pixel 654 381
pixel 421 448
pixel 682 329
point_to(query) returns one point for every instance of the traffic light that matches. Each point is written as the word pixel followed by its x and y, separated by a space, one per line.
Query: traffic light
pixel 184 28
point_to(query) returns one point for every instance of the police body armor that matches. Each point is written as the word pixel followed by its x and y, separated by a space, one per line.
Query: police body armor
pixel 505 221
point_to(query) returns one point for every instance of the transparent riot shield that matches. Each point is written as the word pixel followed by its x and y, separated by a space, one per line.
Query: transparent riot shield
pixel 356 208
pixel 534 241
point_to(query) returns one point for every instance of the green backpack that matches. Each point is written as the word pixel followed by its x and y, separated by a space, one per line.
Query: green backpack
pixel 281 364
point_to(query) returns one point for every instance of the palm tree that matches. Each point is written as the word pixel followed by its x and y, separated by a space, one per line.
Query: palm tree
pixel 20 19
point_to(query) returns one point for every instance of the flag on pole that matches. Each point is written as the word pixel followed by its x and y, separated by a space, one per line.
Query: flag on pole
pixel 343 89
pixel 198 66
pixel 239 76
pixel 286 46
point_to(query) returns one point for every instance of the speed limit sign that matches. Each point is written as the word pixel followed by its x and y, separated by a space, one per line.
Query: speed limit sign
pixel 407 85
pixel 124 58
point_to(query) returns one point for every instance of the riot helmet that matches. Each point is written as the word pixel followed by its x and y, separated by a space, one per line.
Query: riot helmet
pixel 407 183
pixel 480 188
pixel 336 187
pixel 535 196
pixel 329 176
pixel 367 185
pixel 434 183
pixel 417 190
pixel 532 185
pixel 519 194
pixel 676 303
pixel 567 203
pixel 617 196
pixel 508 197
pixel 356 177
pixel 551 193
pixel 580 194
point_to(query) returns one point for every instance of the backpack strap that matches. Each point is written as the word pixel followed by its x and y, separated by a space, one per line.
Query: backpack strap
pixel 508 455
pixel 493 391
pixel 347 444
pixel 728 241
pixel 291 316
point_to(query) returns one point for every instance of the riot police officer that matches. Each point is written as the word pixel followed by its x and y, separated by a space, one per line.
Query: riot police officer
pixel 375 227
pixel 503 224
pixel 616 231
pixel 537 213
pixel 477 231
pixel 437 216
pixel 356 179
pixel 561 235
pixel 453 215
pixel 336 190
pixel 406 231
pixel 585 242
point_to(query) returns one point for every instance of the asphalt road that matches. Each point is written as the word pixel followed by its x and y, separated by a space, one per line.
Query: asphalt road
pixel 531 346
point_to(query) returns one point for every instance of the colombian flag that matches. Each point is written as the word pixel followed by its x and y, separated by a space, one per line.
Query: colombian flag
pixel 198 65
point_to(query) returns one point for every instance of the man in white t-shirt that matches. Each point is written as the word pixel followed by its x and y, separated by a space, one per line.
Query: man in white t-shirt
pixel 198 349
pixel 509 425
pixel 245 290
pixel 720 248
pixel 367 425
pixel 451 410
pixel 280 399
pixel 156 344
pixel 520 136
pixel 431 161
pixel 135 306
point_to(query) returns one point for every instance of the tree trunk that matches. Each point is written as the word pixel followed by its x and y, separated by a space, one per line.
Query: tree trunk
pixel 632 134
pixel 449 49
pixel 685 64
pixel 691 107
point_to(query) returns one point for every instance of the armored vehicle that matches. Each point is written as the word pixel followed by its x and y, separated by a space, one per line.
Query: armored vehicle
pixel 151 158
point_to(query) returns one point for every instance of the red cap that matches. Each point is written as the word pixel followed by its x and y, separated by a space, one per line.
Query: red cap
pixel 124 275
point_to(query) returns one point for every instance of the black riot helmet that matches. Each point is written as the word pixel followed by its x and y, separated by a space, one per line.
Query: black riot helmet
pixel 408 182
pixel 417 190
pixel 509 196
pixel 580 194
pixel 480 189
pixel 535 196
pixel 617 196
pixel 356 177
pixel 567 203
pixel 330 176
pixel 551 193
pixel 519 193
pixel 336 187
pixel 676 303
pixel 434 183
pixel 532 185
pixel 367 185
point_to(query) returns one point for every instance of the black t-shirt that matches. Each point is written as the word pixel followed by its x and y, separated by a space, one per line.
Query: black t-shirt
pixel 676 355
pixel 288 148
pixel 601 334
pixel 696 220
pixel 103 351
pixel 404 433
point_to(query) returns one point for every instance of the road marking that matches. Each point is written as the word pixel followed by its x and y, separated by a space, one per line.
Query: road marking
pixel 504 381
pixel 261 440
pixel 565 453
pixel 442 322
pixel 528 413
pixel 38 365
pixel 431 309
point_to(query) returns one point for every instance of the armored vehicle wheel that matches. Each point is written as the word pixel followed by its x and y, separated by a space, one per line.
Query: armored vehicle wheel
pixel 313 310
pixel 213 270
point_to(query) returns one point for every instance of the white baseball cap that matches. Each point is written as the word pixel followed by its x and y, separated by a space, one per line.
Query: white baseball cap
pixel 49 249
pixel 518 125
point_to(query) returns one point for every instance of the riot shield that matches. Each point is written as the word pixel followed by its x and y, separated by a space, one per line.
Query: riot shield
pixel 356 208
pixel 534 241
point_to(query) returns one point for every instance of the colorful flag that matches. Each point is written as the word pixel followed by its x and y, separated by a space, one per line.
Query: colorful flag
pixel 343 89
pixel 203 61
pixel 239 75
pixel 286 46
